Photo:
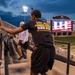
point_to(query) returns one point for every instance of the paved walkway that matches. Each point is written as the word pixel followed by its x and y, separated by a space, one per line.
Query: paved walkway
pixel 23 68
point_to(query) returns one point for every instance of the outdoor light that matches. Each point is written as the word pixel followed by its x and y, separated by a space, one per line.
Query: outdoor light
pixel 25 9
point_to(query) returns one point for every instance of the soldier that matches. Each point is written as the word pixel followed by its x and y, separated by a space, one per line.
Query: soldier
pixel 42 58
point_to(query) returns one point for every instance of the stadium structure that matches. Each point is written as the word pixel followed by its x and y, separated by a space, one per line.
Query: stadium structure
pixel 62 25
pixel 60 59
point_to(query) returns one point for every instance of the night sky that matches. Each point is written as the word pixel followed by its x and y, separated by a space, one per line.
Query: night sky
pixel 12 11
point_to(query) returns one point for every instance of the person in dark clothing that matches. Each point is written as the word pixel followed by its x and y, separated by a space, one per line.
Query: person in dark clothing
pixel 42 58
pixel 8 45
pixel 22 43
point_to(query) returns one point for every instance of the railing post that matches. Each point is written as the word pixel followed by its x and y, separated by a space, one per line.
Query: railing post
pixel 68 59
pixel 0 52
pixel 0 46
pixel 68 54
pixel 6 57
pixel 6 66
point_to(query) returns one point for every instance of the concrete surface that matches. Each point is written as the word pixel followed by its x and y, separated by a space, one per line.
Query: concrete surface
pixel 23 68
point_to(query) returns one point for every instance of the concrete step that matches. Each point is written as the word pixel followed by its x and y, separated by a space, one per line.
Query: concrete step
pixel 19 69
pixel 24 69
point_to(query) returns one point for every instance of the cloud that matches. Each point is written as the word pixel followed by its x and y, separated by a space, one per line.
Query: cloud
pixel 48 7
pixel 13 3
pixel 57 6
pixel 7 3
pixel 5 13
pixel 11 18
pixel 4 3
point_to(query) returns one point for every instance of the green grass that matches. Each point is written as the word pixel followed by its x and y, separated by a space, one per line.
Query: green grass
pixel 67 39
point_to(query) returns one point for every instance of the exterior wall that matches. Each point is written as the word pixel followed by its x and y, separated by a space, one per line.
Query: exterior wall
pixel 64 33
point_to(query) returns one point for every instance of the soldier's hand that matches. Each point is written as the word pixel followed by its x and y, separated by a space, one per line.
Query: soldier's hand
pixel 1 26
pixel 0 22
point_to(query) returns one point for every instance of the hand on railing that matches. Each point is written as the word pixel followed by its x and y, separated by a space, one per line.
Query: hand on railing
pixel 0 22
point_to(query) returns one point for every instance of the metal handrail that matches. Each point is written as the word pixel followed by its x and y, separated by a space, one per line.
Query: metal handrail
pixel 68 54
pixel 3 59
pixel 0 51
pixel 0 46
pixel 5 56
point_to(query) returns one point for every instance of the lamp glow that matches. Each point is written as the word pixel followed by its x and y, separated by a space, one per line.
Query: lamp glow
pixel 25 8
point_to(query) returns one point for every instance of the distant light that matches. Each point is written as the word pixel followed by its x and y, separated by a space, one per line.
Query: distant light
pixel 25 8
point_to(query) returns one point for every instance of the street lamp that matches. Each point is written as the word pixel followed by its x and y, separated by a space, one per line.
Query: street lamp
pixel 25 9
